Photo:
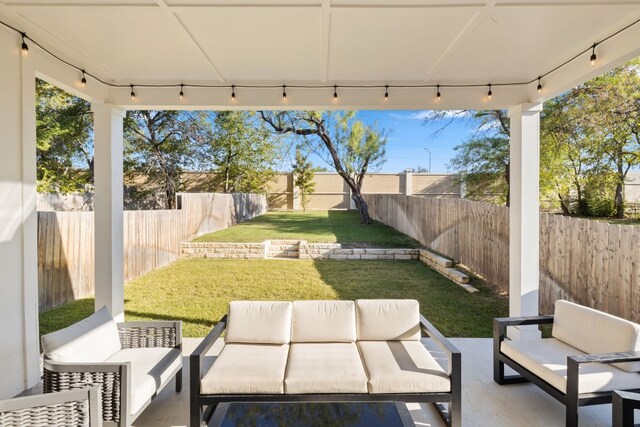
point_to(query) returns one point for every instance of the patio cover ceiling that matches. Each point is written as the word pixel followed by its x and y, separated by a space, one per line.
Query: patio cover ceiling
pixel 327 42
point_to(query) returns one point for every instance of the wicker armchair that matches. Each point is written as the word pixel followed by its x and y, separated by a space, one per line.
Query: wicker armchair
pixel 73 407
pixel 127 381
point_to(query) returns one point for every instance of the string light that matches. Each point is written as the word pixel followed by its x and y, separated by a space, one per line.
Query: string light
pixel 181 90
pixel 25 47
pixel 233 92
pixel 335 92
pixel 593 58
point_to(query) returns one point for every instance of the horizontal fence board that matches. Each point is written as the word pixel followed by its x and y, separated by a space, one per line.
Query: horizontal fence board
pixel 589 262
pixel 152 239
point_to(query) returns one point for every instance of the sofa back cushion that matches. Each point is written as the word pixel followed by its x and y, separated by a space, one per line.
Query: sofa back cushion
pixel 388 319
pixel 259 322
pixel 323 321
pixel 592 331
pixel 93 339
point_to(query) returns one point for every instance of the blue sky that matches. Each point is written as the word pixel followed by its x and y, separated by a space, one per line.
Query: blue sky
pixel 409 137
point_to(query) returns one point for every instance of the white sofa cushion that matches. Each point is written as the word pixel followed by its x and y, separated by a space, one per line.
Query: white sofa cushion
pixel 93 339
pixel 324 368
pixel 259 322
pixel 388 319
pixel 323 321
pixel 593 332
pixel 547 358
pixel 247 369
pixel 151 368
pixel 402 367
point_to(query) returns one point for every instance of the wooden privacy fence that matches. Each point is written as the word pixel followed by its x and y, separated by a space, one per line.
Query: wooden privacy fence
pixel 151 239
pixel 592 263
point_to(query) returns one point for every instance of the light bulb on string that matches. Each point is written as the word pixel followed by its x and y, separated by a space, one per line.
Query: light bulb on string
pixel 83 81
pixel 233 92
pixel 335 92
pixel 181 90
pixel 386 92
pixel 593 54
pixel 24 47
pixel 539 85
pixel 438 95
pixel 133 94
pixel 490 93
pixel 284 92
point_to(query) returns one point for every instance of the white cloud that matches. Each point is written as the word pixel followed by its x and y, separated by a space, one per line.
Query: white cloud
pixel 429 114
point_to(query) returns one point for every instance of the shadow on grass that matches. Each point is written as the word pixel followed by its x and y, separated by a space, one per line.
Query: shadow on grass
pixel 453 310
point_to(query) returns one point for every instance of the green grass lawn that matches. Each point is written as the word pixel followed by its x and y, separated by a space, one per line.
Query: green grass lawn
pixel 198 292
pixel 315 226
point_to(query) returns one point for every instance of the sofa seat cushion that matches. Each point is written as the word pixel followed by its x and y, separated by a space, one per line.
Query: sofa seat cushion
pixel 547 358
pixel 247 369
pixel 402 367
pixel 150 368
pixel 259 322
pixel 323 321
pixel 593 332
pixel 92 339
pixel 388 319
pixel 325 368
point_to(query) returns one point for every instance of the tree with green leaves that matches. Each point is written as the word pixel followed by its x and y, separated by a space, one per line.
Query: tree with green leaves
pixel 350 146
pixel 64 144
pixel 303 173
pixel 241 152
pixel 160 145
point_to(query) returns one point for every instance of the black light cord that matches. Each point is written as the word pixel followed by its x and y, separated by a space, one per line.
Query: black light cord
pixel 325 86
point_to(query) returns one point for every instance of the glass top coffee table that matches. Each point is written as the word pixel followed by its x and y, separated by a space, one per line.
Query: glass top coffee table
pixel 290 414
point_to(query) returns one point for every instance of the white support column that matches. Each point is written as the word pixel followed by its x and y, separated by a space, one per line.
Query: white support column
pixel 408 182
pixel 524 215
pixel 109 245
pixel 19 341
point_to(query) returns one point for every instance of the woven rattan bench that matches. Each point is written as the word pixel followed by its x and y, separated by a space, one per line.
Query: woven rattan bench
pixel 67 408
pixel 130 361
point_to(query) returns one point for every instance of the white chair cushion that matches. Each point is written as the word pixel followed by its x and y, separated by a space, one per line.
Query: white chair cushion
pixel 247 369
pixel 388 319
pixel 93 339
pixel 259 322
pixel 547 358
pixel 593 332
pixel 323 321
pixel 324 368
pixel 151 368
pixel 402 367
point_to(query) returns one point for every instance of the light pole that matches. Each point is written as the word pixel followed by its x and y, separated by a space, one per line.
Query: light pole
pixel 429 151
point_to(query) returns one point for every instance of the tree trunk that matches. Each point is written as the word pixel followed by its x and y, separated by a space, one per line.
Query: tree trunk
pixel 619 201
pixel 362 207
pixel 563 205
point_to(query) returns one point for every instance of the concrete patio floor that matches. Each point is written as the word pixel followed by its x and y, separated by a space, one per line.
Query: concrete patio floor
pixel 484 402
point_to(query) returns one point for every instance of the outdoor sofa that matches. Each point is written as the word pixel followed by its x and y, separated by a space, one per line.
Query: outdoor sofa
pixel 589 355
pixel 130 361
pixel 334 351
pixel 79 408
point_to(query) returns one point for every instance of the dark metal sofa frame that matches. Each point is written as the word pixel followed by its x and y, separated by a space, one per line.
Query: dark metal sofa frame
pixel 451 415
pixel 571 399
pixel 114 378
pixel 624 403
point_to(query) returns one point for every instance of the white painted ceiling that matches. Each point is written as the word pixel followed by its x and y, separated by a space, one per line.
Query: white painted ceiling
pixel 319 41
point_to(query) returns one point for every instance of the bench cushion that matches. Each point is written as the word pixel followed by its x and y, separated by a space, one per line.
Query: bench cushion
pixel 93 339
pixel 593 332
pixel 402 367
pixel 150 368
pixel 388 320
pixel 547 358
pixel 323 321
pixel 325 368
pixel 259 322
pixel 247 369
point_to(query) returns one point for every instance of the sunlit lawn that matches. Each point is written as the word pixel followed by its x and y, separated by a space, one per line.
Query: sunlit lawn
pixel 313 226
pixel 198 292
